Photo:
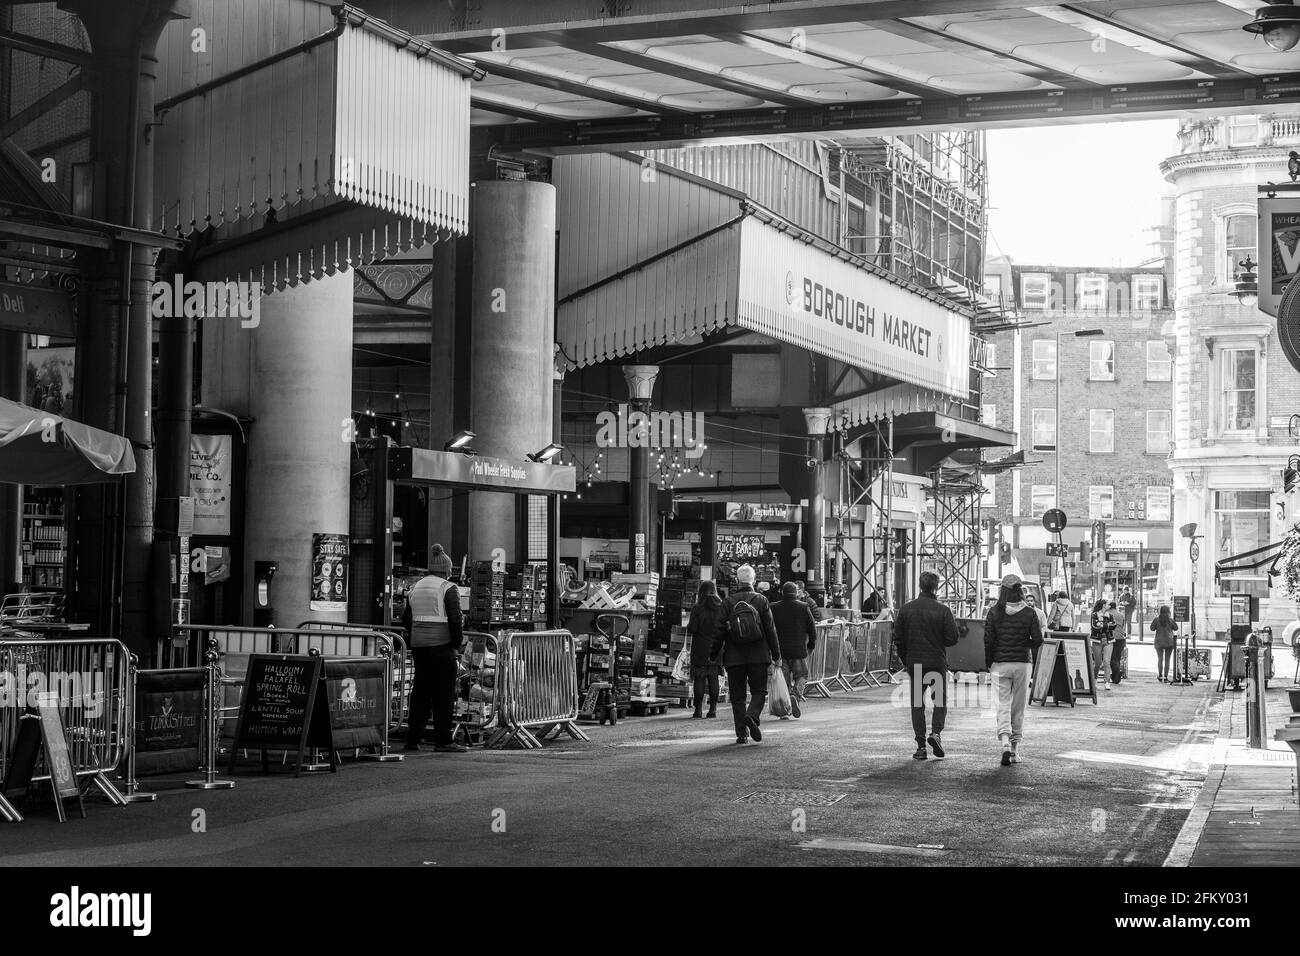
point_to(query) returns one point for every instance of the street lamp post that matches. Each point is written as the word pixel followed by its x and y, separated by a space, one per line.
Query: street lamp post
pixel 1079 334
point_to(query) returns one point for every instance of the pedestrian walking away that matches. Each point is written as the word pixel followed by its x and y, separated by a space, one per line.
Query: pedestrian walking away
pixel 1100 629
pixel 433 621
pixel 924 631
pixel 1061 616
pixel 1011 632
pixel 796 631
pixel 1166 641
pixel 1127 605
pixel 708 618
pixel 748 648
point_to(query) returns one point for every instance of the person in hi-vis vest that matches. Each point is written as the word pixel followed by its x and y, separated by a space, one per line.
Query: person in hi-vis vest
pixel 433 621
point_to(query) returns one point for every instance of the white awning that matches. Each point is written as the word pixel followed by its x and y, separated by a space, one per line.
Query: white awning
pixel 357 115
pixel 759 273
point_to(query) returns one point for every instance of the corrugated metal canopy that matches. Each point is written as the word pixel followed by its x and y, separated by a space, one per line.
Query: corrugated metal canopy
pixel 562 76
pixel 347 137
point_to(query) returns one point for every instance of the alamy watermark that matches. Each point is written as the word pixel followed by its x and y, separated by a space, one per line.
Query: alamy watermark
pixel 637 429
pixel 177 298
pixel 81 689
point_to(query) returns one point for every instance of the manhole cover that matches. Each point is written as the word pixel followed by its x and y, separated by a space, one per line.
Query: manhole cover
pixel 792 798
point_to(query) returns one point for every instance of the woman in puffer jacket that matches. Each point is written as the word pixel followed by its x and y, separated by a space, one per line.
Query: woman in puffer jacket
pixel 1011 632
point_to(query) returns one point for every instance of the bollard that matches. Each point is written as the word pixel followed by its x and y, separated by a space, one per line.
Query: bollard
pixel 210 781
pixel 386 649
pixel 1256 706
pixel 133 792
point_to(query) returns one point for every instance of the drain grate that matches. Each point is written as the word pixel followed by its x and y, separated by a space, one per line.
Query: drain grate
pixel 792 798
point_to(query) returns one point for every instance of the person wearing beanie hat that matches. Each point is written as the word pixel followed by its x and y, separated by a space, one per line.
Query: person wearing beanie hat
pixel 434 627
pixel 440 562
pixel 796 632
pixel 747 660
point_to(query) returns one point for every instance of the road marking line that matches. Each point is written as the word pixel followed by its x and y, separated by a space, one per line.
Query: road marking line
pixel 855 846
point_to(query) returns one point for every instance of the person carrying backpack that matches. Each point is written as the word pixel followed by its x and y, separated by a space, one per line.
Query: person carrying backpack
pixel 924 631
pixel 1060 616
pixel 748 645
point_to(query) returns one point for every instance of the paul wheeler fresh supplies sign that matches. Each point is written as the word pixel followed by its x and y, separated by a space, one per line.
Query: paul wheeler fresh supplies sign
pixel 799 294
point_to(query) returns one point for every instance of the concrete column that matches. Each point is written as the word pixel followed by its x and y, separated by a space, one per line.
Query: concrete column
pixel 513 331
pixel 12 370
pixel 816 420
pixel 292 374
pixel 641 513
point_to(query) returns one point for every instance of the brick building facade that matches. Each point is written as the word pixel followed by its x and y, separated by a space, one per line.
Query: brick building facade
pixel 1113 435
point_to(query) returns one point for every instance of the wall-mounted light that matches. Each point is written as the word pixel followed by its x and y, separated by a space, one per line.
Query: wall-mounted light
pixel 1278 24
pixel 1247 287
pixel 546 454
pixel 460 442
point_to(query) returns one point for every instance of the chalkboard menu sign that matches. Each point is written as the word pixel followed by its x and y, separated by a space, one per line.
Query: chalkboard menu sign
pixel 734 547
pixel 1182 608
pixel 43 727
pixel 282 709
pixel 355 691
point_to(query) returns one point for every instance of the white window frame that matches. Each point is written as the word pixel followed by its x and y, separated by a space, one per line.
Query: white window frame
pixel 1035 278
pixel 1097 367
pixel 1223 275
pixel 1141 295
pixel 1097 502
pixel 1221 390
pixel 1243 123
pixel 1160 506
pixel 990 359
pixel 1161 444
pixel 1034 416
pixel 1102 416
pixel 1085 287
pixel 1160 368
pixel 989 414
pixel 1036 493
pixel 1230 581
pixel 1041 362
pixel 990 497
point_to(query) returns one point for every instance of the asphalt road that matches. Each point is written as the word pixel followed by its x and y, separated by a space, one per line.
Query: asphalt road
pixel 1103 785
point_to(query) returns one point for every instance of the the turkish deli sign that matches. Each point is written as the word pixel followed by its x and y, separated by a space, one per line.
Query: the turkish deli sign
pixel 798 294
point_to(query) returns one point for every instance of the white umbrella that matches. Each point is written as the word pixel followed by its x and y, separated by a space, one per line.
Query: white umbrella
pixel 42 448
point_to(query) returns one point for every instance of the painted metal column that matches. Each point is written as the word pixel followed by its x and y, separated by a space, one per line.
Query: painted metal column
pixel 116 391
pixel 12 369
pixel 816 420
pixel 513 336
pixel 442 392
pixel 292 375
pixel 553 501
pixel 640 528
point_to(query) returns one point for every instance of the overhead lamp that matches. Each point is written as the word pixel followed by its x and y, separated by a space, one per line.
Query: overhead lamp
pixel 1247 286
pixel 460 442
pixel 1278 24
pixel 546 454
pixel 1291 475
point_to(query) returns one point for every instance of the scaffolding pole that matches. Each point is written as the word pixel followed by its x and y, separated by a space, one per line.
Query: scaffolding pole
pixel 953 541
pixel 859 475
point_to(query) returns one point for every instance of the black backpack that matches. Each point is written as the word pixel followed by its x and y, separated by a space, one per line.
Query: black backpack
pixel 746 627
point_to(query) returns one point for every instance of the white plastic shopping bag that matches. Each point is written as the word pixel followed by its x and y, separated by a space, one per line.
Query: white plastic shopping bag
pixel 778 695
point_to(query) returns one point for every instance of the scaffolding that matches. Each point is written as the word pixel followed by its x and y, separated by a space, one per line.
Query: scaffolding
pixel 865 480
pixel 953 543
pixel 917 205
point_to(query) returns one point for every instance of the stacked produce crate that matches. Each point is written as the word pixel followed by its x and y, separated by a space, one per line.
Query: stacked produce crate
pixel 514 595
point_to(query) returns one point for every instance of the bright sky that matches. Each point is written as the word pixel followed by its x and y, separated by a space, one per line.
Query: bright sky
pixel 1079 194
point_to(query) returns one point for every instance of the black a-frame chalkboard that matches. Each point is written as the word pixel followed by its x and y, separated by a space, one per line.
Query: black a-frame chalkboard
pixel 42 727
pixel 283 709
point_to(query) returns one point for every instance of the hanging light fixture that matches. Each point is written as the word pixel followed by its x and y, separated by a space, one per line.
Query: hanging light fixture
pixel 1247 286
pixel 1278 24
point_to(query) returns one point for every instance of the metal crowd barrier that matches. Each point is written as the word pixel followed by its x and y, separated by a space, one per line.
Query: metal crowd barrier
pixel 31 607
pixel 474 652
pixel 401 670
pixel 825 660
pixel 536 688
pixel 880 652
pixel 91 679
pixel 858 637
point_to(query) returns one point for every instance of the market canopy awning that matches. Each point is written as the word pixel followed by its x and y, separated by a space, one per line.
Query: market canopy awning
pixel 703 257
pixel 42 448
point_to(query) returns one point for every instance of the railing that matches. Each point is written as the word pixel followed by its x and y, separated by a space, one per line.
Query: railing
pixel 89 682
pixel 536 688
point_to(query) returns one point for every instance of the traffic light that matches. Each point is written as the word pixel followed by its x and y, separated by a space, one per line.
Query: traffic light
pixel 1004 552
pixel 1085 552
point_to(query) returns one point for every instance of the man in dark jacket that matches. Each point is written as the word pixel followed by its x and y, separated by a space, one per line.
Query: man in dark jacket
pixel 796 631
pixel 924 631
pixel 746 663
